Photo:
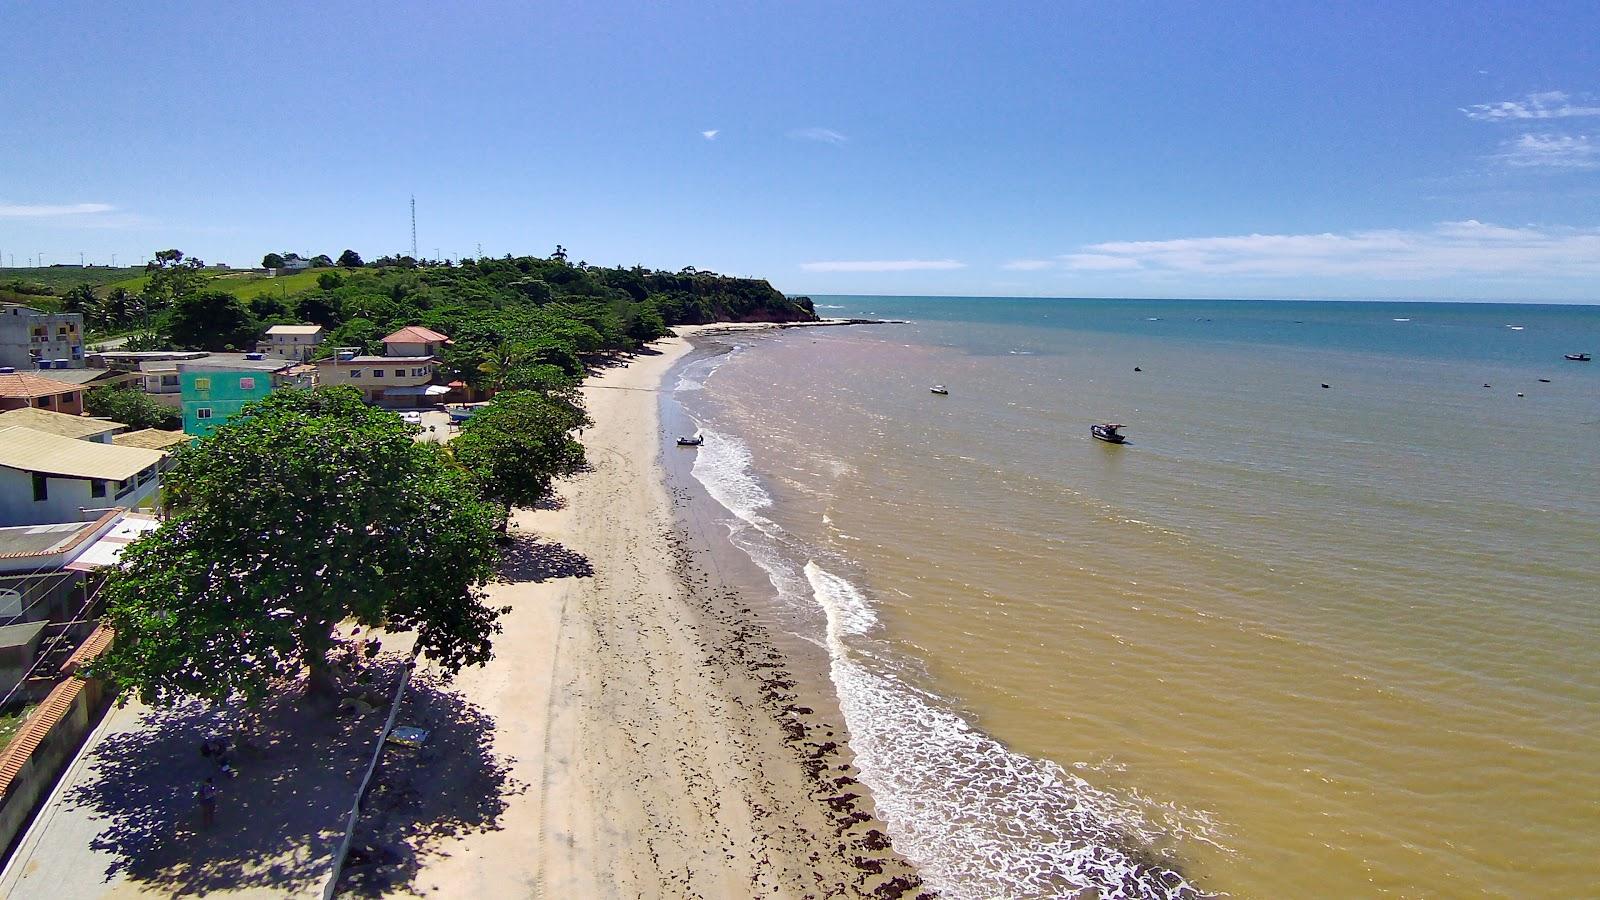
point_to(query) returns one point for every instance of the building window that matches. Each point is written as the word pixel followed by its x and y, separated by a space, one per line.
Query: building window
pixel 355 373
pixel 418 373
pixel 41 487
pixel 97 487
pixel 69 398
pixel 203 412
pixel 202 384
pixel 377 373
pixel 169 381
pixel 247 384
pixel 42 402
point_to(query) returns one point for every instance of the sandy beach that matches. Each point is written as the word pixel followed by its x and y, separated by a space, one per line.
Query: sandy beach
pixel 654 741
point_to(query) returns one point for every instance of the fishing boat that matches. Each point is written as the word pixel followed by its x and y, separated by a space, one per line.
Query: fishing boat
pixel 695 441
pixel 940 390
pixel 1108 432
pixel 1578 357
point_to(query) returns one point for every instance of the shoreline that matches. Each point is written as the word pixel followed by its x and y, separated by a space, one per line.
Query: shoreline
pixel 658 738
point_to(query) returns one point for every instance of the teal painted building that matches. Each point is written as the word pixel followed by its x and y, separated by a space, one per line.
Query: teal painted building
pixel 216 388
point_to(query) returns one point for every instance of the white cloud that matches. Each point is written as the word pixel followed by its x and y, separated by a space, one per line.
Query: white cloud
pixel 1546 105
pixel 882 265
pixel 1098 262
pixel 1466 248
pixel 45 211
pixel 824 135
pixel 1028 265
pixel 712 134
pixel 1551 151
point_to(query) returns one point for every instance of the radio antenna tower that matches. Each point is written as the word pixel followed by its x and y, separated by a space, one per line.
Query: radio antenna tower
pixel 413 226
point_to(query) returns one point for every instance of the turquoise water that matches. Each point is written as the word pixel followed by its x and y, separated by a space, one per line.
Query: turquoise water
pixel 1290 641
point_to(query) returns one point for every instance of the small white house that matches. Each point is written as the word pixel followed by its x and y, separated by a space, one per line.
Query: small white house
pixel 50 478
pixel 293 341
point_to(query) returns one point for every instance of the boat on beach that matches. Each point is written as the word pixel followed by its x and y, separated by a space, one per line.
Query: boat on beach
pixel 1578 357
pixel 1110 432
pixel 695 441
pixel 940 389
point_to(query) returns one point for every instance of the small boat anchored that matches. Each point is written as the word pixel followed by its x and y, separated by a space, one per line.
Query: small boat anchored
pixel 695 441
pixel 940 389
pixel 1579 357
pixel 1109 432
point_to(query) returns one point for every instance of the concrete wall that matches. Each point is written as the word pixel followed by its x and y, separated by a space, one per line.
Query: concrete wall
pixel 58 728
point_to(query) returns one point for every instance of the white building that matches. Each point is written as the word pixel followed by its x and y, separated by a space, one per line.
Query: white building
pixel 31 339
pixel 293 341
pixel 50 478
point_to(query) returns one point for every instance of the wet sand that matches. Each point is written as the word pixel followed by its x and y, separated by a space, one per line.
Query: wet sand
pixel 656 739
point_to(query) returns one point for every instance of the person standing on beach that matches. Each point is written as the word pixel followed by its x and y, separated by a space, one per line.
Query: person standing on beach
pixel 207 795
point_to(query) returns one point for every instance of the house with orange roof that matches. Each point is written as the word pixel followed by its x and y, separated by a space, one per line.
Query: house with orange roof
pixel 22 390
pixel 413 341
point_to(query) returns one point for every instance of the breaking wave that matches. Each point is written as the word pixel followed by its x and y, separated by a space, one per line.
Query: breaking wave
pixel 977 819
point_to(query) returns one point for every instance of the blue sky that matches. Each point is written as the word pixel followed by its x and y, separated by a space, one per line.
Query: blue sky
pixel 1052 149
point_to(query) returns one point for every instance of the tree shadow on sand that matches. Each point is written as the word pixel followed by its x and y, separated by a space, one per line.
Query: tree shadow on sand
pixel 526 558
pixel 451 785
pixel 278 821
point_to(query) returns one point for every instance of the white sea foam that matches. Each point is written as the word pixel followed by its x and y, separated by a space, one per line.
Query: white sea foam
pixel 978 820
pixel 722 465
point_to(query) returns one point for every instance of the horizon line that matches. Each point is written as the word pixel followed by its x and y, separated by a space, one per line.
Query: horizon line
pixel 1480 301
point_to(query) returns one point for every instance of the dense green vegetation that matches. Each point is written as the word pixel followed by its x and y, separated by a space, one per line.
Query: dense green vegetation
pixel 516 322
pixel 517 446
pixel 310 509
pixel 132 408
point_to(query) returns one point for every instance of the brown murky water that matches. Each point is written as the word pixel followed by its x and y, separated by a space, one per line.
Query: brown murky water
pixel 1288 642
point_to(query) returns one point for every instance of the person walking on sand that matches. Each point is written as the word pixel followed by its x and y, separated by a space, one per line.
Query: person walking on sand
pixel 207 795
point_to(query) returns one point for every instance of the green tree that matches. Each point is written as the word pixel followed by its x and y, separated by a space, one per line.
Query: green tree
pixel 80 299
pixel 350 259
pixel 272 261
pixel 268 306
pixel 321 261
pixel 322 308
pixel 132 408
pixel 309 509
pixel 171 277
pixel 517 446
pixel 212 320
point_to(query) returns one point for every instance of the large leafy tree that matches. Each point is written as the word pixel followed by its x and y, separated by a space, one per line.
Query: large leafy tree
pixel 131 408
pixel 212 320
pixel 350 259
pixel 272 261
pixel 516 447
pixel 307 510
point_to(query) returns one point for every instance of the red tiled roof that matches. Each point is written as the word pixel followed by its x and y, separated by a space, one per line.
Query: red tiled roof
pixel 27 384
pixel 415 334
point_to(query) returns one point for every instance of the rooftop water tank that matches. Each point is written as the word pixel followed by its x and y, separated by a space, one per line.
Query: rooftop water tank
pixel 63 363
pixel 346 356
pixel 43 363
pixel 8 370
pixel 255 355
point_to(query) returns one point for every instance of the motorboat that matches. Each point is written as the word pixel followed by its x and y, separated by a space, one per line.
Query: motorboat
pixel 940 390
pixel 1109 432
pixel 1579 357
pixel 695 441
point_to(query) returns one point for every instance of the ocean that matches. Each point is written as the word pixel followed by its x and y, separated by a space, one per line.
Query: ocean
pixel 1327 625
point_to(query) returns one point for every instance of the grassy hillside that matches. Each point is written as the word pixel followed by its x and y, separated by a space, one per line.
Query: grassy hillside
pixel 63 279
